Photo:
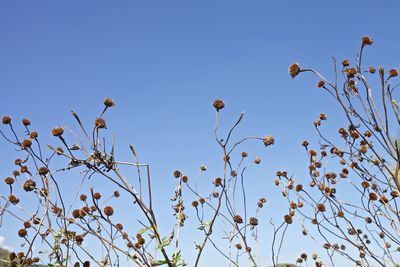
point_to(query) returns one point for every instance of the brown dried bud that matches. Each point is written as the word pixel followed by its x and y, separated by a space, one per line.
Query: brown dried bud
pixel 218 104
pixel 83 197
pixel 26 144
pixel 202 200
pixel 13 199
pixel 57 131
pixel 237 219
pixel 288 219
pixel 100 123
pixel 9 180
pixel 321 207
pixel 268 140
pixel 195 203
pixel 366 40
pixel 6 120
pixel 116 194
pixel 185 178
pixel 394 193
pixel 119 226
pixel 177 174
pixel 97 195
pixel 43 170
pixel 29 185
pixel 321 84
pixel 253 221
pixel 244 154
pixel 78 239
pixel 238 246
pixel 346 63
pixel 371 70
pixel 33 135
pixel 108 102
pixel 393 73
pixel 217 181
pixel 373 196
pixel 26 122
pixel 294 69
pixel 22 232
pixel 109 211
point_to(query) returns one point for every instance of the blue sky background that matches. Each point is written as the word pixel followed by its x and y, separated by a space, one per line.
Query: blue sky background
pixel 164 62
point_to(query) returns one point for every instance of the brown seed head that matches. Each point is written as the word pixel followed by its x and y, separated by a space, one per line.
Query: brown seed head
pixel 237 219
pixel 109 211
pixel 244 154
pixel 13 199
pixel 97 195
pixel 57 131
pixel 185 178
pixel 6 120
pixel 195 203
pixel 26 144
pixel 43 170
pixel 108 102
pixel 218 104
pixel 100 123
pixel 346 63
pixel 177 174
pixel 294 69
pixel 33 135
pixel 268 140
pixel 253 221
pixel 288 219
pixel 29 185
pixel 22 232
pixel 321 84
pixel 9 180
pixel 371 70
pixel 393 73
pixel 83 197
pixel 366 40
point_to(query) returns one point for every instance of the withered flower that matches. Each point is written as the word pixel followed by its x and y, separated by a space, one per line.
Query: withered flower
pixel 366 40
pixel 57 131
pixel 9 180
pixel 43 170
pixel 22 232
pixel 346 63
pixel 109 211
pixel 321 84
pixel 29 185
pixel 108 102
pixel 393 73
pixel 294 69
pixel 100 123
pixel 177 174
pixel 253 221
pixel 6 120
pixel 26 122
pixel 218 104
pixel 33 135
pixel 238 219
pixel 26 144
pixel 268 140
pixel 288 219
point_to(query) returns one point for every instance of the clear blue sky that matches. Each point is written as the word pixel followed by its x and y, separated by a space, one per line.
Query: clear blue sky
pixel 164 62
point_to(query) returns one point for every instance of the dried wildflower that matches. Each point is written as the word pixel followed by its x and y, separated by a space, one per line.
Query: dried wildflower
pixel 141 240
pixel 226 158
pixel 323 116
pixel 394 193
pixel 294 69
pixel 109 211
pixel 299 187
pixel 233 173
pixel 84 211
pixel 268 140
pixel 383 200
pixel 253 221
pixel 217 181
pixel 97 195
pixel 366 40
pixel 288 219
pixel 177 174
pixel 238 246
pixel 26 144
pixel 9 180
pixel 13 199
pixel 83 197
pixel 119 226
pixel 100 123
pixel 371 70
pixel 305 143
pixel 6 120
pixel 76 214
pixel 22 232
pixel 346 63
pixel 33 135
pixel 195 203
pixel 257 160
pixel 373 196
pixel 185 178
pixel 202 200
pixel 321 84
pixel 276 182
pixel 350 72
pixel 203 168
pixel 43 170
pixel 26 122
pixel 78 239
pixel 244 154
pixel 218 104
pixel 57 131
pixel 321 207
pixel 86 264
pixel 237 219
pixel 393 73
pixel 248 249
pixel 365 184
pixel 116 194
pixel 29 185
pixel 108 102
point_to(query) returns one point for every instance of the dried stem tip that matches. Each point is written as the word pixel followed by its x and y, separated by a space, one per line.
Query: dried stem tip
pixel 6 120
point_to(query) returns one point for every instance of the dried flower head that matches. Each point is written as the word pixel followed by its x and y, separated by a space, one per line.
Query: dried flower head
pixel 177 174
pixel 109 211
pixel 29 185
pixel 257 160
pixel 244 154
pixel 26 144
pixel 217 181
pixel 97 195
pixel 238 246
pixel 108 102
pixel 26 122
pixel 294 69
pixel 33 135
pixel 253 221
pixel 371 70
pixel 346 63
pixel 393 73
pixel 288 219
pixel 43 170
pixel 57 131
pixel 185 178
pixel 237 219
pixel 268 140
pixel 195 203
pixel 6 120
pixel 9 180
pixel 321 84
pixel 116 194
pixel 100 123
pixel 13 199
pixel 218 104
pixel 22 232
pixel 366 40
pixel 203 168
